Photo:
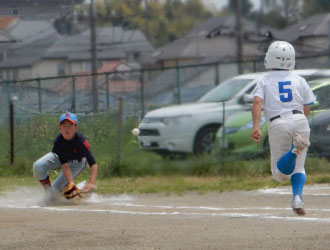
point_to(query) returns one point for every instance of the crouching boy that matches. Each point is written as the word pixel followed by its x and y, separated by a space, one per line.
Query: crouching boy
pixel 70 153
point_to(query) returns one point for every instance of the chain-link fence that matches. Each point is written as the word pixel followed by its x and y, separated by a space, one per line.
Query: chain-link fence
pixel 139 91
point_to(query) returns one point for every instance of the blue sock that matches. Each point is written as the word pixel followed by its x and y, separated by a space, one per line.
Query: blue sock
pixel 287 162
pixel 297 183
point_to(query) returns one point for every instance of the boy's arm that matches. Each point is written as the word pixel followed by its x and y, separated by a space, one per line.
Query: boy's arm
pixel 256 113
pixel 90 185
pixel 307 109
pixel 67 172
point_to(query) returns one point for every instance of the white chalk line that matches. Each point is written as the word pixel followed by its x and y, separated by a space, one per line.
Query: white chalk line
pixel 287 191
pixel 217 208
pixel 177 213
pixel 236 212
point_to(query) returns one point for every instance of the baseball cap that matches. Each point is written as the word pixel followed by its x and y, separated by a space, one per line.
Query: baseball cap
pixel 69 116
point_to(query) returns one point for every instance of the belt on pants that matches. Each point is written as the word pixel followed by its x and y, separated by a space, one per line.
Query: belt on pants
pixel 278 116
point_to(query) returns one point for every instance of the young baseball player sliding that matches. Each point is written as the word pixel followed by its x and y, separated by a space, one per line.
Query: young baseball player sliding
pixel 286 99
pixel 70 152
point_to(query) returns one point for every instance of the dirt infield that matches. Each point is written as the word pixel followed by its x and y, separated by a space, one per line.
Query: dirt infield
pixel 260 219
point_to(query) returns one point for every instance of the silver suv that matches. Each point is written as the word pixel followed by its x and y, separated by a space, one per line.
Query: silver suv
pixel 191 128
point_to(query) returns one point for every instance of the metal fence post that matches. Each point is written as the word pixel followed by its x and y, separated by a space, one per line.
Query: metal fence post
pixel 73 94
pixel 142 93
pixel 39 95
pixel 11 125
pixel 216 66
pixel 120 118
pixel 178 85
pixel 8 92
pixel 254 66
pixel 107 89
pixel 224 124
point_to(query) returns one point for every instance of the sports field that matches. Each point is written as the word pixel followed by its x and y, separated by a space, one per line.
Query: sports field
pixel 260 219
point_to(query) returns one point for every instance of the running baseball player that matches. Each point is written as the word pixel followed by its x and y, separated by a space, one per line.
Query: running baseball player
pixel 286 99
pixel 70 153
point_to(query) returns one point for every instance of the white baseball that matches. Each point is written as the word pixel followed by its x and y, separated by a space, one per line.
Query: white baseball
pixel 136 131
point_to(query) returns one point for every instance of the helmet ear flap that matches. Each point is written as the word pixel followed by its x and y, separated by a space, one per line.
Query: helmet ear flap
pixel 280 55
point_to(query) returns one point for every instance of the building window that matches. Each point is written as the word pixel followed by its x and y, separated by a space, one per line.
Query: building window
pixel 13 12
pixel 13 9
pixel 60 69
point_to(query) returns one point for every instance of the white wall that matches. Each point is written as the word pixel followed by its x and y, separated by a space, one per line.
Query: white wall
pixel 45 68
pixel 77 66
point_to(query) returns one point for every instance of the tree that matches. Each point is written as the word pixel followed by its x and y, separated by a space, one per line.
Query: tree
pixel 312 7
pixel 246 7
pixel 161 21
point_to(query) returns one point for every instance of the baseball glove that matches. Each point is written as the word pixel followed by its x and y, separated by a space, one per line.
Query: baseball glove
pixel 71 191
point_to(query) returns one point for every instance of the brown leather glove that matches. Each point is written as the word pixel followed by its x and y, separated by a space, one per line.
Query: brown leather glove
pixel 71 191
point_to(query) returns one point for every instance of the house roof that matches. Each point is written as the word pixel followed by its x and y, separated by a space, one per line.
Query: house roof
pixel 168 80
pixel 7 21
pixel 31 31
pixel 25 56
pixel 317 25
pixel 220 47
pixel 112 43
pixel 225 25
pixel 213 38
pixel 110 66
pixel 32 40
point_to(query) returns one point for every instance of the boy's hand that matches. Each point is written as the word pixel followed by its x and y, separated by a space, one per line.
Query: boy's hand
pixel 88 187
pixel 256 135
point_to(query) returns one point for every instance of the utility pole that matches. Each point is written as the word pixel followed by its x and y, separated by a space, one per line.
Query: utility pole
pixel 286 12
pixel 239 36
pixel 147 18
pixel 94 58
pixel 72 23
pixel 261 16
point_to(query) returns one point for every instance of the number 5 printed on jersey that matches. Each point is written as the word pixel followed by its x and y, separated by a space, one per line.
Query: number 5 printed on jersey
pixel 285 91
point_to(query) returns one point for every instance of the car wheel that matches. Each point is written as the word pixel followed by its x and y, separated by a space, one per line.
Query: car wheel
pixel 205 140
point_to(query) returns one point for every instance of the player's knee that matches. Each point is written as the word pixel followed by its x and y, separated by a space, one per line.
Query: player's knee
pixel 37 169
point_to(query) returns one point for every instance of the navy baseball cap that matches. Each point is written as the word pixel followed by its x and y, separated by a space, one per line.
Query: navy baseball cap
pixel 70 117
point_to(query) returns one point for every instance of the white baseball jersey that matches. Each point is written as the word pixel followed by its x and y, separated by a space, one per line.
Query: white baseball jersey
pixel 283 91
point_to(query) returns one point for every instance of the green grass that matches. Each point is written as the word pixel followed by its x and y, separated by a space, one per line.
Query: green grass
pixel 137 171
pixel 151 184
pixel 174 184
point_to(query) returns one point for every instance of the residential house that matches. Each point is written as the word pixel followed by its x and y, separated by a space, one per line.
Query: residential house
pixel 114 81
pixel 37 50
pixel 73 53
pixel 37 9
pixel 214 38
pixel 23 44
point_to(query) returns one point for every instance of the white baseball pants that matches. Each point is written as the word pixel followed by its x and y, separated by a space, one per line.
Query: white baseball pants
pixel 281 132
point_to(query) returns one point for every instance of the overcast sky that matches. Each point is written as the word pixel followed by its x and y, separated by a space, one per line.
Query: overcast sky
pixel 219 4
pixel 215 3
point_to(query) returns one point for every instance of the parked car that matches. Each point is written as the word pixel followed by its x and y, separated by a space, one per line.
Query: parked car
pixel 320 134
pixel 191 128
pixel 234 136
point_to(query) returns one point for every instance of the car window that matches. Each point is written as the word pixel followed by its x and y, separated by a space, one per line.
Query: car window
pixel 225 91
pixel 313 77
pixel 322 95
